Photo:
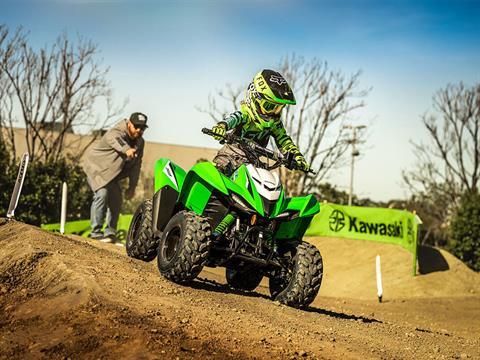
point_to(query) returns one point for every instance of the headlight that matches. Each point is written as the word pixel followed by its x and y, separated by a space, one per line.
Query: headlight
pixel 290 215
pixel 242 204
pixel 283 215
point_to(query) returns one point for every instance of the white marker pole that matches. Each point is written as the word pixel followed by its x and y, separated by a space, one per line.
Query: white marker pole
pixel 17 189
pixel 63 215
pixel 379 280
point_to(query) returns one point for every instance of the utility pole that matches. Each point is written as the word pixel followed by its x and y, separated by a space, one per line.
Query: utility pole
pixel 353 141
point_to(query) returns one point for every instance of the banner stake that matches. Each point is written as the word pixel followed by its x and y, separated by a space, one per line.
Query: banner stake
pixel 379 279
pixel 17 189
pixel 63 213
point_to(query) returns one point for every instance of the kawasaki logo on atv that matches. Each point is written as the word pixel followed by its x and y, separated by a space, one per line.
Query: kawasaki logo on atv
pixel 337 223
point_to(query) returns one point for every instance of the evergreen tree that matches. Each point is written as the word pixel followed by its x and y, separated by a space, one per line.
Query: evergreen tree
pixel 6 180
pixel 464 239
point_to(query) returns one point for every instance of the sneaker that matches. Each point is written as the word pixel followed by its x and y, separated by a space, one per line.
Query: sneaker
pixel 112 239
pixel 96 236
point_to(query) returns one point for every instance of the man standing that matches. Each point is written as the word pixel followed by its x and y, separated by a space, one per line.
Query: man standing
pixel 116 156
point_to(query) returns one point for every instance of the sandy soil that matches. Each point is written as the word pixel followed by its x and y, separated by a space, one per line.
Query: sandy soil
pixel 69 297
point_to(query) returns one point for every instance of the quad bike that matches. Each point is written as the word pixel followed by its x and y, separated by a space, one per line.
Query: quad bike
pixel 243 223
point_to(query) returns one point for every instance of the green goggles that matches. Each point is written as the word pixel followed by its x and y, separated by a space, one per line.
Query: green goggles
pixel 267 107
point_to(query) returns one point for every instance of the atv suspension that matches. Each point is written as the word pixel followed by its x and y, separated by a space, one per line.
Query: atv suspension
pixel 224 225
pixel 252 251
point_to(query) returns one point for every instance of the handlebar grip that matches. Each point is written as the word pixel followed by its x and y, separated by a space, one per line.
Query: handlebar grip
pixel 211 133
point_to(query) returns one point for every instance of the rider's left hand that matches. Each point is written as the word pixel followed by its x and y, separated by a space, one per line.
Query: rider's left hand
pixel 302 164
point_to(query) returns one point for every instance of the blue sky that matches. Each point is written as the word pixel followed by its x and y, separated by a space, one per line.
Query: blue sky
pixel 167 56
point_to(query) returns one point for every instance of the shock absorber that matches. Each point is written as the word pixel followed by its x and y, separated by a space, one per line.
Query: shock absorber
pixel 224 225
pixel 270 241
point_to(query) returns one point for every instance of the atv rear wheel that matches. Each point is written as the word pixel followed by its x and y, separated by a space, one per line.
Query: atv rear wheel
pixel 141 243
pixel 184 247
pixel 243 277
pixel 299 287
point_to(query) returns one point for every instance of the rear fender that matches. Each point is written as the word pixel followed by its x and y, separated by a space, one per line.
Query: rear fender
pixel 164 202
pixel 168 173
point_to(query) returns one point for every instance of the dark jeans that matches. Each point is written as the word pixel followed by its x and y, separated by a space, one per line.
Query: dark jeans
pixel 106 201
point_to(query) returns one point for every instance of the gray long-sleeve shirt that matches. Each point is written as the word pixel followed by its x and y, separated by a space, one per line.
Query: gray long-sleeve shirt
pixel 106 159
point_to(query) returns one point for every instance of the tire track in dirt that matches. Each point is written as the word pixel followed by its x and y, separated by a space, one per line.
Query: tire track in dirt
pixel 64 297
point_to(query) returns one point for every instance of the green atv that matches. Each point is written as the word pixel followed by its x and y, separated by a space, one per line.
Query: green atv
pixel 243 223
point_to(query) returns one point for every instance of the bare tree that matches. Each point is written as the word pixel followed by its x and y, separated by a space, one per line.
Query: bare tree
pixel 6 89
pixel 325 99
pixel 229 98
pixel 52 91
pixel 448 165
pixel 450 161
pixel 6 117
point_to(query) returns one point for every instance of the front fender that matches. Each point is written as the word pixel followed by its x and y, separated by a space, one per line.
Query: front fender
pixel 198 186
pixel 307 206
pixel 210 174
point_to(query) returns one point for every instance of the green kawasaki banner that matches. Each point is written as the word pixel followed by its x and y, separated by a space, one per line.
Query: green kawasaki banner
pixel 352 222
pixel 363 223
pixel 82 227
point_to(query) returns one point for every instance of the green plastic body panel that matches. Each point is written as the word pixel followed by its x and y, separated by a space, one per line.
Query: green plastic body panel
pixel 210 174
pixel 279 206
pixel 293 229
pixel 203 178
pixel 242 184
pixel 163 168
pixel 196 198
pixel 306 207
pixel 196 187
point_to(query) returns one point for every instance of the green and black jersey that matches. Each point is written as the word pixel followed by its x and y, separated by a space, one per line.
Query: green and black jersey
pixel 243 126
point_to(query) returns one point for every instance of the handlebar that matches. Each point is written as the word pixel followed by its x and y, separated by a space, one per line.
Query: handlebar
pixel 207 131
pixel 287 161
pixel 232 139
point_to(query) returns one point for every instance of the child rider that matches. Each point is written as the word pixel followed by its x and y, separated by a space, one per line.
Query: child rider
pixel 257 120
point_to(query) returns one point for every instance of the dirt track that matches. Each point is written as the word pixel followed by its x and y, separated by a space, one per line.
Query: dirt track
pixel 73 298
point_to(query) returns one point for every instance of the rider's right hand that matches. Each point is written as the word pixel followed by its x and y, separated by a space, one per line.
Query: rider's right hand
pixel 301 163
pixel 219 131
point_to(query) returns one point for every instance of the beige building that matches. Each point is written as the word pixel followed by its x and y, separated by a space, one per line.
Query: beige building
pixel 184 156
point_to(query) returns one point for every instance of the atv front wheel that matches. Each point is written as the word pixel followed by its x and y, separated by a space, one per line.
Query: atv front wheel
pixel 141 243
pixel 243 278
pixel 300 285
pixel 183 247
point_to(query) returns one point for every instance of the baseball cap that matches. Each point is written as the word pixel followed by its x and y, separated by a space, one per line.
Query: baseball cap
pixel 139 120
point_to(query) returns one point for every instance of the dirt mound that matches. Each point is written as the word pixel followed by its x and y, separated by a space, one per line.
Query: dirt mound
pixel 69 297
pixel 349 271
pixel 54 304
